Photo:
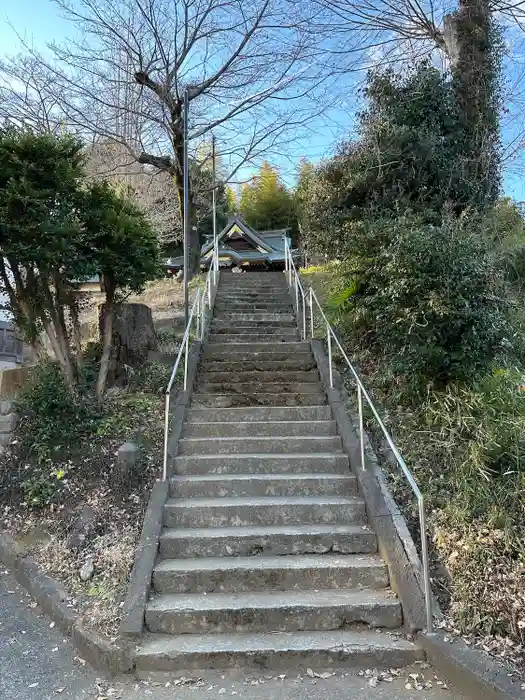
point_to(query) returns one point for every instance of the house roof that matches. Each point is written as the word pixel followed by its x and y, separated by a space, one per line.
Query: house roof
pixel 256 237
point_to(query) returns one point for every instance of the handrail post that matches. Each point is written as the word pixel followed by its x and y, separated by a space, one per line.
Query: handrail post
pixel 361 426
pixel 166 435
pixel 329 340
pixel 198 319
pixel 186 362
pixel 304 315
pixel 311 314
pixel 426 565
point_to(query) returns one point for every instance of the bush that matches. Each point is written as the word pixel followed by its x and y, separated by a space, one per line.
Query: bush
pixel 469 461
pixel 424 298
pixel 53 417
pixel 151 378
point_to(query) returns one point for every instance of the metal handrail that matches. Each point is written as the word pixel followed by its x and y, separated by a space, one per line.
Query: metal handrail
pixel 362 393
pixel 291 274
pixel 202 300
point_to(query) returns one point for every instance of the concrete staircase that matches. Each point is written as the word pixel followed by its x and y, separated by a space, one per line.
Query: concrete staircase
pixel 266 558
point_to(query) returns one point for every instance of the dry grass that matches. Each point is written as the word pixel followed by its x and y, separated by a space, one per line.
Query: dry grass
pixel 165 297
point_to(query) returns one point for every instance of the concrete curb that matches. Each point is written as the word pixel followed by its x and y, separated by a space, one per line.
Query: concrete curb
pixel 51 597
pixel 132 621
pixel 469 670
pixel 395 543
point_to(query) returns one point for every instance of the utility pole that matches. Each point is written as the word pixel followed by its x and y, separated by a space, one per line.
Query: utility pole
pixel 214 191
pixel 186 208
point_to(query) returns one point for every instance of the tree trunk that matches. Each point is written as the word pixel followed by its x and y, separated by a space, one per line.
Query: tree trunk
pixel 132 337
pixel 178 176
pixel 473 44
pixel 106 333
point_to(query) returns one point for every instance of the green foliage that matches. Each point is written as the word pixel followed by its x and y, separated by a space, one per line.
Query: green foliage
pixel 54 232
pixel 123 248
pixel 504 229
pixel 152 378
pixel 425 299
pixel 53 417
pixel 410 156
pixel 41 237
pixel 477 82
pixel 304 200
pixel 468 457
pixel 266 203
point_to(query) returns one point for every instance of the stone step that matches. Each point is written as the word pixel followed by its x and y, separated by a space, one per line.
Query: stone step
pixel 252 306
pixel 347 648
pixel 206 376
pixel 255 485
pixel 248 295
pixel 269 540
pixel 252 297
pixel 225 512
pixel 264 445
pixel 258 317
pixel 265 429
pixel 249 399
pixel 318 463
pixel 289 611
pixel 242 329
pixel 230 325
pixel 300 361
pixel 287 573
pixel 287 350
pixel 258 414
pixel 242 388
pixel 251 338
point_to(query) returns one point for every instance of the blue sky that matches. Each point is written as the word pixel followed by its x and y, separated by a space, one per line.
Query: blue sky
pixel 39 21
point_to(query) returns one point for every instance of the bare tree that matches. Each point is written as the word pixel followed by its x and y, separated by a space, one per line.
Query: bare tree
pixel 152 189
pixel 250 69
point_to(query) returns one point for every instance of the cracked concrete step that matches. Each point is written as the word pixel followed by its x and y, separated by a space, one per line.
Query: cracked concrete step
pixel 258 327
pixel 268 540
pixel 251 338
pixel 256 316
pixel 301 361
pixel 318 463
pixel 255 348
pixel 248 295
pixel 244 389
pixel 284 651
pixel 248 445
pixel 263 573
pixel 225 512
pixel 256 485
pixel 252 306
pixel 257 414
pixel 286 611
pixel 205 375
pixel 286 573
pixel 256 399
pixel 264 429
pixel 255 329
pixel 236 356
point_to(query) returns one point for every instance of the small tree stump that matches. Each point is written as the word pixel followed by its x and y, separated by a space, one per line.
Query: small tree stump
pixel 132 339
